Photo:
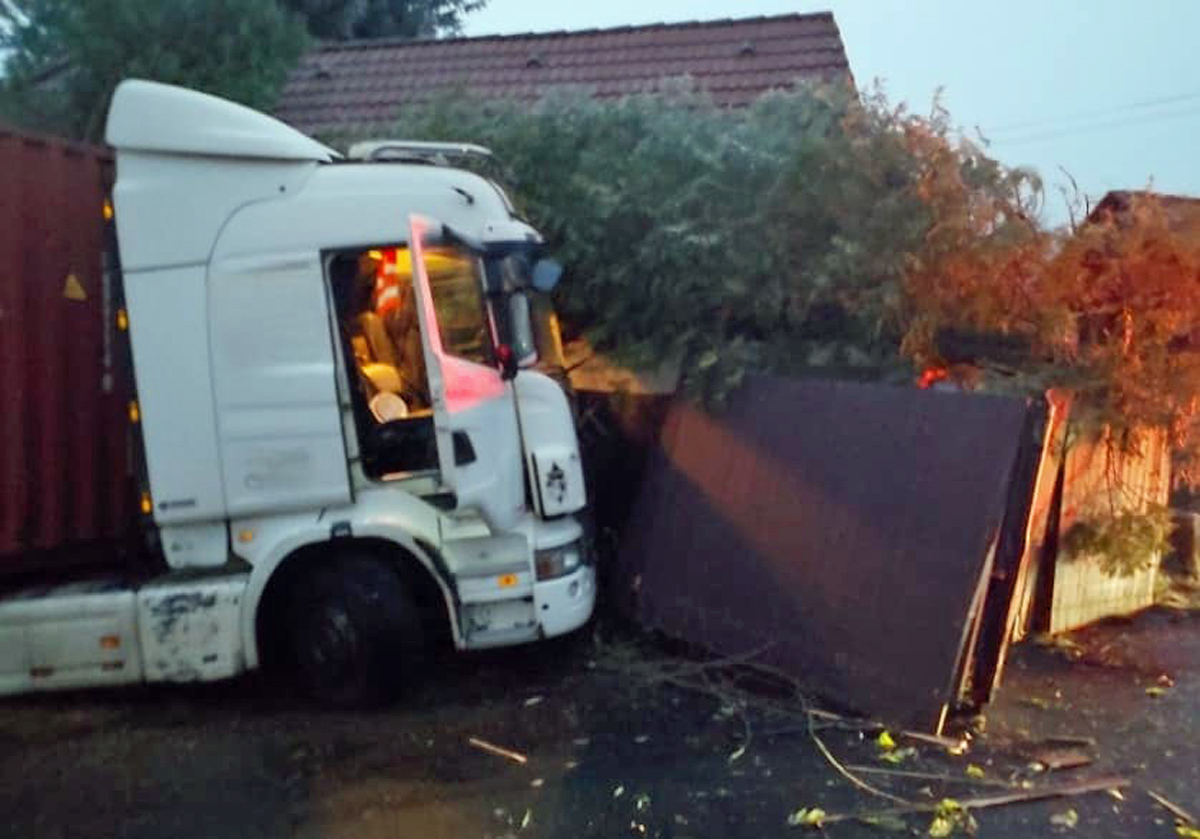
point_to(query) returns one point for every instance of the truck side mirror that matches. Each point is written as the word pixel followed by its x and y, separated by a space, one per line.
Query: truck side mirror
pixel 546 274
pixel 507 361
pixel 523 344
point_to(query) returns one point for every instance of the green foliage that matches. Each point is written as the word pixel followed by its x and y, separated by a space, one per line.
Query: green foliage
pixel 1122 543
pixel 342 19
pixel 68 56
pixel 771 238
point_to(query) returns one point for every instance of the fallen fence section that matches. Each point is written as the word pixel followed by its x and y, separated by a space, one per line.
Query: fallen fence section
pixel 857 528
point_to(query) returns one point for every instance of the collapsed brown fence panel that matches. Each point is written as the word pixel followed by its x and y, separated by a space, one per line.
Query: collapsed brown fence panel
pixel 844 528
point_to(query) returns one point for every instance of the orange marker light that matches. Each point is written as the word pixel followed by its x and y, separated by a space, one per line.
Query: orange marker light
pixel 507 580
pixel 122 320
pixel 110 642
pixel 147 504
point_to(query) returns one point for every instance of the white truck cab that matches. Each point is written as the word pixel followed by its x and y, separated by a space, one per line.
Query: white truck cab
pixel 347 449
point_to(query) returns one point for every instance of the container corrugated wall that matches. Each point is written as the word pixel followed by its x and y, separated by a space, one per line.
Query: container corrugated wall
pixel 65 460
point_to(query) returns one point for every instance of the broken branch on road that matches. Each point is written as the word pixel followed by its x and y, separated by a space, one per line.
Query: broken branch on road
pixel 1061 791
pixel 499 751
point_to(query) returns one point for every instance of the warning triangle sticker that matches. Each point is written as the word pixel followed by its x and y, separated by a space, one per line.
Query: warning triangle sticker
pixel 73 289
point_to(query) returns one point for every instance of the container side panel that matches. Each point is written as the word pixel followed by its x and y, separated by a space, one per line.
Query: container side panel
pixel 64 452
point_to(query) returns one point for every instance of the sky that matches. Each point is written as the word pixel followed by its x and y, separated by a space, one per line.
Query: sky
pixel 1108 90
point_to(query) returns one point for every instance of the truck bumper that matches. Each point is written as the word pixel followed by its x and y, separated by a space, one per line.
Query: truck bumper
pixel 566 603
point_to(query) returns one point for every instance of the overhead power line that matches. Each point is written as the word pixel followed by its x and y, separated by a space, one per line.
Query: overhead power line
pixel 1096 113
pixel 1095 127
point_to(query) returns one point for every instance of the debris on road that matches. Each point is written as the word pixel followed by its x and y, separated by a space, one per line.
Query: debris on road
pixel 1171 807
pixel 1067 818
pixel 533 700
pixel 1065 757
pixel 499 751
pixel 931 776
pixel 898 756
pixel 1082 787
pixel 807 817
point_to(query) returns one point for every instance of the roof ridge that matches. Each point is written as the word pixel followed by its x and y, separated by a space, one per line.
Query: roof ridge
pixel 369 43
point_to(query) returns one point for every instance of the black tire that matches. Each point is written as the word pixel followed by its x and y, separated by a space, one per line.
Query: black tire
pixel 354 632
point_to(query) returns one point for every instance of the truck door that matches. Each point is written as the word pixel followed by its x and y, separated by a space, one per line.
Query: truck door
pixel 474 409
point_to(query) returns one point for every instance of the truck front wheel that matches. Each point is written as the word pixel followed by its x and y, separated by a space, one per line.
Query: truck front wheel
pixel 355 632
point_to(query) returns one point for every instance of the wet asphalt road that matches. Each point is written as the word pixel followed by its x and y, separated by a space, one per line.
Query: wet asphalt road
pixel 608 755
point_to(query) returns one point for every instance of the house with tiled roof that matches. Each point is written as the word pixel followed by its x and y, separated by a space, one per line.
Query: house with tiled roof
pixel 357 86
pixel 1182 211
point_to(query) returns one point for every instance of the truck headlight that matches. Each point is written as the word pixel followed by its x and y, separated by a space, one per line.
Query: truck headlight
pixel 558 562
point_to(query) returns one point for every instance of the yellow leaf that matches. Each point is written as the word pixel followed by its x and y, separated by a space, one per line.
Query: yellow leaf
pixel 898 756
pixel 885 741
pixel 1067 818
pixel 1187 831
pixel 974 771
pixel 1155 690
pixel 941 827
pixel 807 817
pixel 948 807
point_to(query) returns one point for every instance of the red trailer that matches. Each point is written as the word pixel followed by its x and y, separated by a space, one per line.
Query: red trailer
pixel 67 487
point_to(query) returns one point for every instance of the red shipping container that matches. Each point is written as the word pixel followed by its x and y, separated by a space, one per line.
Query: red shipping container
pixel 66 459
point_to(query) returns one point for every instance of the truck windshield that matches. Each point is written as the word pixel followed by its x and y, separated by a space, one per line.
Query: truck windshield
pixel 454 277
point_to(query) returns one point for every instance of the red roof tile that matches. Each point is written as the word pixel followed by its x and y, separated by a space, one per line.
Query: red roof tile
pixel 362 85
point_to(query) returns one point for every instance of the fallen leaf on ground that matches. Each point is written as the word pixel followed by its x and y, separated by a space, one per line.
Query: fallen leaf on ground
pixel 893 824
pixel 974 771
pixel 898 756
pixel 533 700
pixel 536 782
pixel 1187 831
pixel 1036 702
pixel 807 817
pixel 618 792
pixel 642 802
pixel 1067 818
pixel 940 827
pixel 885 741
pixel 737 753
pixel 1155 690
pixel 949 817
pixel 526 819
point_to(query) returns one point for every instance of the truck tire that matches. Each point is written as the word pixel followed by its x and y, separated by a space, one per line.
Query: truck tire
pixel 354 632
